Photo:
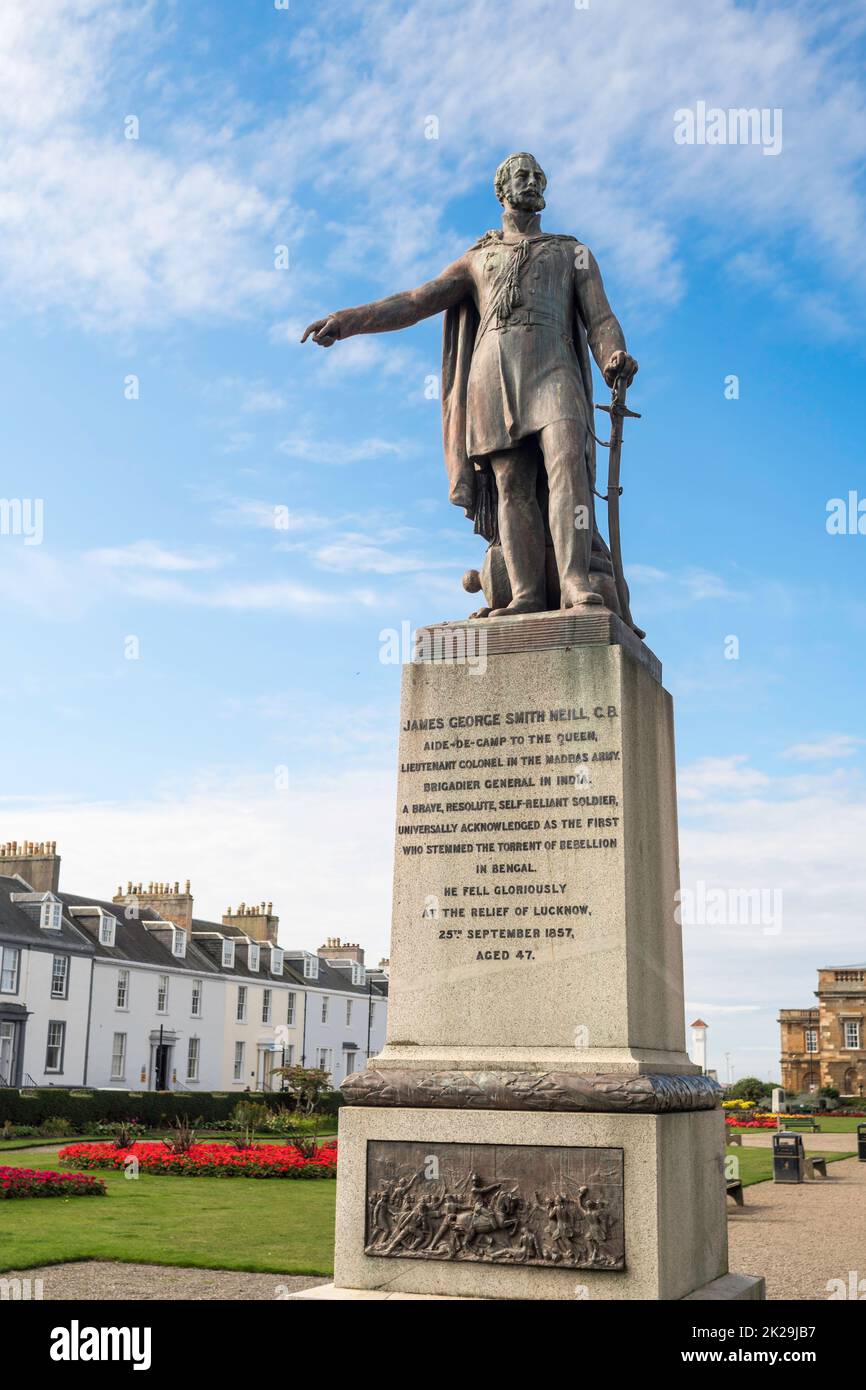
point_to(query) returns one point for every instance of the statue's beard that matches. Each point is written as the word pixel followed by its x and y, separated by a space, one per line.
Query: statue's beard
pixel 527 202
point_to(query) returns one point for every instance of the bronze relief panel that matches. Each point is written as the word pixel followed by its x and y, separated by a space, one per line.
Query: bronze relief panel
pixel 528 1204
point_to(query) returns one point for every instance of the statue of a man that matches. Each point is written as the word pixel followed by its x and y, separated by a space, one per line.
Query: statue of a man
pixel 521 307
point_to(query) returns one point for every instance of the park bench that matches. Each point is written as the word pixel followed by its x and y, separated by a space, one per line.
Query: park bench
pixel 814 1166
pixel 807 1122
pixel 734 1139
pixel 735 1189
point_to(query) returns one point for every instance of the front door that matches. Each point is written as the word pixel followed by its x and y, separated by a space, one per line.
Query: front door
pixel 266 1069
pixel 160 1067
pixel 8 1033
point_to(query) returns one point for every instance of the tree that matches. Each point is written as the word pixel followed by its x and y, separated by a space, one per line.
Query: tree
pixel 748 1088
pixel 305 1085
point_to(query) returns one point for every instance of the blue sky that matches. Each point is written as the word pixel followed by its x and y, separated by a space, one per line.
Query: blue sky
pixel 259 647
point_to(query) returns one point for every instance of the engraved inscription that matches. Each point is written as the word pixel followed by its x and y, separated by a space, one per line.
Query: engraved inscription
pixel 496 1203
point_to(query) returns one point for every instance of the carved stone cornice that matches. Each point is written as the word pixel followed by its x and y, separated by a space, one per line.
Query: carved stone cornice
pixel 651 1094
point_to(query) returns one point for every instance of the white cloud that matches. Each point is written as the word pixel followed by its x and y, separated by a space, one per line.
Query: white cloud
pixel 710 776
pixel 116 232
pixel 354 553
pixel 690 585
pixel 340 452
pixel 277 596
pixel 828 747
pixel 150 555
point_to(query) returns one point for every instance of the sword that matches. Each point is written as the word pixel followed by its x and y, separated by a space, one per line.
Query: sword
pixel 617 410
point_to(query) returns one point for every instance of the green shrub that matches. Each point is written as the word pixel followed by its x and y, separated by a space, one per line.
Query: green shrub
pixel 83 1110
pixel 55 1127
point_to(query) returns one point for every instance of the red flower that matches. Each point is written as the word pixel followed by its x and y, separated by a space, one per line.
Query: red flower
pixel 209 1160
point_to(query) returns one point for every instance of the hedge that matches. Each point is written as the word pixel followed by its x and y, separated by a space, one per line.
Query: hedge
pixel 85 1108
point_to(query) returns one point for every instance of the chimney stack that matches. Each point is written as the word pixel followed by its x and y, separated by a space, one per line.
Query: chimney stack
pixel 335 949
pixel 172 904
pixel 258 923
pixel 37 862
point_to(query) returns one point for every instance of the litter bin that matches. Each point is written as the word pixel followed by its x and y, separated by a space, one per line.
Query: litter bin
pixel 861 1143
pixel 788 1157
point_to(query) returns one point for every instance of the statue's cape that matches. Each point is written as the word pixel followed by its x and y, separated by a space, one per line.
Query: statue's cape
pixel 458 343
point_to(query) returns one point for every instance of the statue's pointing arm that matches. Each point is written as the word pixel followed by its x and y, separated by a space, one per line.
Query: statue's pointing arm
pixel 398 311
pixel 603 331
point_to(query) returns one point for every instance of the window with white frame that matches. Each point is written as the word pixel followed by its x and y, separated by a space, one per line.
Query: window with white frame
pixel 311 967
pixel 228 956
pixel 811 1039
pixel 107 925
pixel 193 1054
pixel 60 977
pixel 323 1058
pixel 122 989
pixel 325 1006
pixel 162 995
pixel 239 1061
pixel 195 1002
pixel 267 995
pixel 290 1009
pixel 289 1054
pixel 852 1033
pixel 242 1004
pixel 254 954
pixel 276 960
pixel 55 1045
pixel 178 945
pixel 49 917
pixel 359 973
pixel 349 1003
pixel 10 958
pixel 118 1057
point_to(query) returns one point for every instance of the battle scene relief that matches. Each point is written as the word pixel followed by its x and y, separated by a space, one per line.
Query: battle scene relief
pixel 497 1203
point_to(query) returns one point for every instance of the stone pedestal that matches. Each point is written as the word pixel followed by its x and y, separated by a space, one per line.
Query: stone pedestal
pixel 533 1127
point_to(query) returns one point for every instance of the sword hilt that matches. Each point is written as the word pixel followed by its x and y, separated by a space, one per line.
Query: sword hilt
pixel 617 404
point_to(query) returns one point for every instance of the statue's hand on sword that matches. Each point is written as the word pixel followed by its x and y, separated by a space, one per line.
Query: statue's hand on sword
pixel 620 364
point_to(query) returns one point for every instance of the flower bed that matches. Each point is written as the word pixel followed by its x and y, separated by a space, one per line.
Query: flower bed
pixel 208 1160
pixel 751 1121
pixel 42 1182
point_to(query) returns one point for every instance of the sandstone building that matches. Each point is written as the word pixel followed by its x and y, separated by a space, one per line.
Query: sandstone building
pixel 826 1045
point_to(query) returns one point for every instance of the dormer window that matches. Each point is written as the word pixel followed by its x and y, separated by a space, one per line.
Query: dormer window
pixel 254 956
pixel 228 957
pixel 49 916
pixel 107 925
pixel 276 961
pixel 311 967
pixel 178 944
pixel 359 974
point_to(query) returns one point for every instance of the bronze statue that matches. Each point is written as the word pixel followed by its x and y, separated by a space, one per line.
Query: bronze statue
pixel 523 309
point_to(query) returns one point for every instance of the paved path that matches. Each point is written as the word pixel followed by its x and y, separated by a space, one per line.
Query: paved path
pixel 821 1143
pixel 799 1236
pixel 89 1280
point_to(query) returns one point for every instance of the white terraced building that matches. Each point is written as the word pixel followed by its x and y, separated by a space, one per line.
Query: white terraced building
pixel 138 994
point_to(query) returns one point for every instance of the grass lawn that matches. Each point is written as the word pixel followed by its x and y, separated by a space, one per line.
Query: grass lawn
pixel 756 1165
pixel 285 1226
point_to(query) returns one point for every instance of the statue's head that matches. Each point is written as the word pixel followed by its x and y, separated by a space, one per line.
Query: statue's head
pixel 520 182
